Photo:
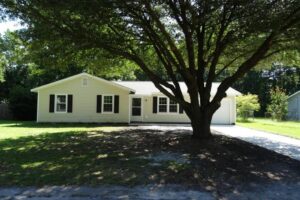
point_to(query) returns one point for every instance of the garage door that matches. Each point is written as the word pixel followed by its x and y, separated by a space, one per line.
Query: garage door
pixel 222 115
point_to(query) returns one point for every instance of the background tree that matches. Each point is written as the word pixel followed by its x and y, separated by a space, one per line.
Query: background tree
pixel 279 104
pixel 27 64
pixel 246 105
pixel 262 81
pixel 194 41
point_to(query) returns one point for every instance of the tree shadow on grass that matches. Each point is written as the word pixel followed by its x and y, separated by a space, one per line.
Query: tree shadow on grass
pixel 31 124
pixel 128 157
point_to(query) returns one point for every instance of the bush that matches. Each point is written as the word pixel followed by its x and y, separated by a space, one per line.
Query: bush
pixel 22 103
pixel 278 106
pixel 247 104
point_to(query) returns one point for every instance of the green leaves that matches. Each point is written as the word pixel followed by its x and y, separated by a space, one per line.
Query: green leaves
pixel 279 103
pixel 246 105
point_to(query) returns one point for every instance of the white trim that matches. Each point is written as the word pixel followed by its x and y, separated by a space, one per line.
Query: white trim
pixel 168 106
pixel 55 103
pixel 294 94
pixel 80 75
pixel 172 104
pixel 37 107
pixel 159 97
pixel 113 103
pixel 129 108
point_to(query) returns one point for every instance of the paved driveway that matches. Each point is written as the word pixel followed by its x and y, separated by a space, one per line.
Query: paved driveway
pixel 281 144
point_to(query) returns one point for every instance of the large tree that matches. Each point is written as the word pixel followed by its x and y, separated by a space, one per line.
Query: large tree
pixel 192 40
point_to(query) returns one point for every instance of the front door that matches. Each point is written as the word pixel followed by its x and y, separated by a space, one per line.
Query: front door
pixel 136 109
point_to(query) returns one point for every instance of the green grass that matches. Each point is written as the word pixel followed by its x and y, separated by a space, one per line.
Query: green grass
pixel 287 128
pixel 16 129
pixel 86 154
pixel 34 154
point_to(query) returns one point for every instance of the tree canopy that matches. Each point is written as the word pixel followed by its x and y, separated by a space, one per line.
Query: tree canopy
pixel 194 41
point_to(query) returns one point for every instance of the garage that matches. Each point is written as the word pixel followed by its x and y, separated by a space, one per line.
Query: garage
pixel 225 115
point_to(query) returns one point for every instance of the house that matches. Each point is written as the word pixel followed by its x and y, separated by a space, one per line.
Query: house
pixel 294 106
pixel 86 98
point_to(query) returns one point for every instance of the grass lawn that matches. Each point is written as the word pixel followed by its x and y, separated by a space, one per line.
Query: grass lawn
pixel 287 128
pixel 16 129
pixel 36 155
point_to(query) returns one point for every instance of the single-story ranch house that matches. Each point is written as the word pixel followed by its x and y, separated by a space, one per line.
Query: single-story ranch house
pixel 294 106
pixel 86 98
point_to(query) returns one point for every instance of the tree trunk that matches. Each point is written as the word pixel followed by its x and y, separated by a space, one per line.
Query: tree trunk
pixel 201 122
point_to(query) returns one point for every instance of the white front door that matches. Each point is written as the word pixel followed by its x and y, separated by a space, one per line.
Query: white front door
pixel 136 109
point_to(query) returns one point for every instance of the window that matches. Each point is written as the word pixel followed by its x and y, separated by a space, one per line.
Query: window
pixel 162 104
pixel 107 104
pixel 166 105
pixel 61 103
pixel 173 108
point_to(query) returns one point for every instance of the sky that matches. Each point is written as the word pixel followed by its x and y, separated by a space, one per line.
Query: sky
pixel 9 25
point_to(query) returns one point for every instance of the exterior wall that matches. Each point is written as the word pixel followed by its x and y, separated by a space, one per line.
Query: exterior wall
pixel 85 105
pixel 225 115
pixel 294 107
pixel 84 102
pixel 149 116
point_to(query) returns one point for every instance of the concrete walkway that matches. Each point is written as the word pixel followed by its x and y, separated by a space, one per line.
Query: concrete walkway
pixel 280 144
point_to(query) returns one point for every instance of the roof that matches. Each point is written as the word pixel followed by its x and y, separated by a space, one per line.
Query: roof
pixel 137 87
pixel 296 93
pixel 80 75
pixel 148 88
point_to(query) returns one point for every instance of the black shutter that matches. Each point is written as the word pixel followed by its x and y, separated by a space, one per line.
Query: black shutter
pixel 116 106
pixel 180 109
pixel 51 103
pixel 70 103
pixel 154 105
pixel 99 103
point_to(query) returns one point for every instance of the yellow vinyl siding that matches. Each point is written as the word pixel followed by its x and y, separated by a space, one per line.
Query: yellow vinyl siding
pixel 84 102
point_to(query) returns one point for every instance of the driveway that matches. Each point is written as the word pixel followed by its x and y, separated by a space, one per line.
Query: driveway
pixel 280 144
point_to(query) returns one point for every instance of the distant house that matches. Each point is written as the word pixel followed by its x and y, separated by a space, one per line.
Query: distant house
pixel 294 106
pixel 86 98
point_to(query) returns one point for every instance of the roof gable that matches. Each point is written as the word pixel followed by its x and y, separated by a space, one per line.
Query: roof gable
pixel 78 76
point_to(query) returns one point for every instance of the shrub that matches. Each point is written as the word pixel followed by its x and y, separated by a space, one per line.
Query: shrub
pixel 247 104
pixel 278 106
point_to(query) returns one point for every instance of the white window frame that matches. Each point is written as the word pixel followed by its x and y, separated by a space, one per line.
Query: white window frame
pixel 177 106
pixel 168 106
pixel 55 103
pixel 158 104
pixel 113 103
